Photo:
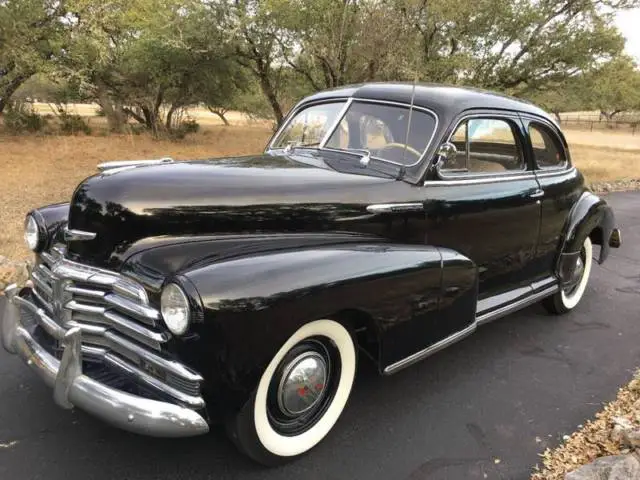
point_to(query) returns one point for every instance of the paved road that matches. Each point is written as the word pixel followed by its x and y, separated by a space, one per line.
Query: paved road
pixel 515 387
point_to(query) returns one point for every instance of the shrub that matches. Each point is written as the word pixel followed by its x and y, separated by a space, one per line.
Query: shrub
pixel 73 124
pixel 20 118
pixel 184 128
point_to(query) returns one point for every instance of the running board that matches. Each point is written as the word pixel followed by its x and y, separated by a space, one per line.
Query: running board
pixel 522 302
pixel 518 305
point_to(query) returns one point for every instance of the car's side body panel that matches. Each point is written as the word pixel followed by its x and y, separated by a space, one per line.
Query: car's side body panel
pixel 409 296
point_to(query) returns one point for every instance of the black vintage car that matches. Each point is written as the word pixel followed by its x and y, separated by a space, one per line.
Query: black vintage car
pixel 390 219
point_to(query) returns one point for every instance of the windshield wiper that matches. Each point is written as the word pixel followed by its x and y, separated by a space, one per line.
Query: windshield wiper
pixel 291 146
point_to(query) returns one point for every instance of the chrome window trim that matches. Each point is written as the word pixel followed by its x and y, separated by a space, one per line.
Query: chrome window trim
pixel 566 163
pixel 336 123
pixel 555 172
pixel 488 115
pixel 334 126
pixel 298 108
pixel 480 179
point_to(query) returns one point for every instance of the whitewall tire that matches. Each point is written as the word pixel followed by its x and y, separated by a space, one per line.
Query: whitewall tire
pixel 568 297
pixel 300 396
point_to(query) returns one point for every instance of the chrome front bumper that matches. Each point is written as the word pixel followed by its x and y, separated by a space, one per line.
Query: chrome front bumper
pixel 72 388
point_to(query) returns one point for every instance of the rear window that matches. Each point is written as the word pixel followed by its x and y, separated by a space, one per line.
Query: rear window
pixel 547 149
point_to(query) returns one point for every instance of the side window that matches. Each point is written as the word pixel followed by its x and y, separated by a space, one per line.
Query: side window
pixel 486 145
pixel 547 149
pixel 459 139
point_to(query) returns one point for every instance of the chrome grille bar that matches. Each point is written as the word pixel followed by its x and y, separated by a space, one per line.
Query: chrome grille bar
pixel 117 323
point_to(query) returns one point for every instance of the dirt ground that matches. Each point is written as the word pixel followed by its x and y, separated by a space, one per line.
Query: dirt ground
pixel 38 170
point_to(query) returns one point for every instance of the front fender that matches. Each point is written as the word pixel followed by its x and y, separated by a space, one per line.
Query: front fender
pixel 254 303
pixel 589 217
pixel 52 218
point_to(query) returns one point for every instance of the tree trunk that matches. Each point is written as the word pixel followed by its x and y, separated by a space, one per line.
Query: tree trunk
pixel 558 119
pixel 269 92
pixel 170 113
pixel 114 112
pixel 11 88
pixel 220 112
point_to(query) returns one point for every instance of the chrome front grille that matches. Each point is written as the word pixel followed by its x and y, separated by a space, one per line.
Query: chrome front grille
pixel 118 324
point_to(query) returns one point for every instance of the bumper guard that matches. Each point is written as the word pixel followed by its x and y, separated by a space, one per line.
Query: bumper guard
pixel 72 388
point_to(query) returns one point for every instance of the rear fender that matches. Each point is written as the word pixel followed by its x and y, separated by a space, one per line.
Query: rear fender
pixel 589 217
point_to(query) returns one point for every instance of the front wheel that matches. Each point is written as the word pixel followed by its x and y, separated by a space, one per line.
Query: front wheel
pixel 301 394
pixel 570 295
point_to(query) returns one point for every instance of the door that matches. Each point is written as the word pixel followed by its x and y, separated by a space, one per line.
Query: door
pixel 560 183
pixel 486 203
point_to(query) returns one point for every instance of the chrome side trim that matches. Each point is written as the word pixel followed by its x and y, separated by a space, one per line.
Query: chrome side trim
pixel 395 207
pixel 71 235
pixel 512 307
pixel 430 350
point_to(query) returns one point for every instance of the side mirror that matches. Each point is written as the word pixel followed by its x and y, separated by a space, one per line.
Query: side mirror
pixel 446 153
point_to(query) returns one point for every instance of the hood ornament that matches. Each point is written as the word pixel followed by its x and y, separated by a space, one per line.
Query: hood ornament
pixel 132 163
pixel 71 235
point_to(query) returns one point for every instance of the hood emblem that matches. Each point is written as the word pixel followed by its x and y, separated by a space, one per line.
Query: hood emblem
pixel 77 235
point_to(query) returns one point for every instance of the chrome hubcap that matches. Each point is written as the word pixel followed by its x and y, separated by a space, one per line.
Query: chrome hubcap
pixel 303 384
pixel 577 275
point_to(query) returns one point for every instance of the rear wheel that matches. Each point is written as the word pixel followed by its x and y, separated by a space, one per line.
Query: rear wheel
pixel 301 394
pixel 570 295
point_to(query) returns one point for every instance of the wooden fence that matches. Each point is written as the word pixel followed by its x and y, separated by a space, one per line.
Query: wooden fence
pixel 628 123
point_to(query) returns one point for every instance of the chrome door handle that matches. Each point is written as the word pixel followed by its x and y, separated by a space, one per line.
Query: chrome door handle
pixel 537 194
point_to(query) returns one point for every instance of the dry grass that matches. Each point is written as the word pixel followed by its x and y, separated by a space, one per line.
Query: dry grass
pixel 36 171
pixel 592 441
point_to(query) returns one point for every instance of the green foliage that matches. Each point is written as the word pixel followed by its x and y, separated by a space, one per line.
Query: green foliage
pixel 184 128
pixel 147 61
pixel 32 33
pixel 73 124
pixel 19 118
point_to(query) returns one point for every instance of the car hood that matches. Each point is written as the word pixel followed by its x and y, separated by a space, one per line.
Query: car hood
pixel 255 194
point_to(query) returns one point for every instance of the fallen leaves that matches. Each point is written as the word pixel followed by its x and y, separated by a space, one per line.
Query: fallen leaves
pixel 593 439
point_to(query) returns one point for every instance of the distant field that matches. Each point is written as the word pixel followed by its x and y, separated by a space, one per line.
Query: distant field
pixel 201 115
pixel 35 171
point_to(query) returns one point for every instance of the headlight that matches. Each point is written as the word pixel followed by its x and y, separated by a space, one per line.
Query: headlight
pixel 174 306
pixel 32 234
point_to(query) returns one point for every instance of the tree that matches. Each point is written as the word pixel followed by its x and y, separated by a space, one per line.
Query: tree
pixel 146 59
pixel 614 87
pixel 31 35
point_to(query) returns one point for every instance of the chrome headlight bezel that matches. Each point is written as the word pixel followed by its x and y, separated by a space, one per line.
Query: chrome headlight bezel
pixel 175 309
pixel 34 234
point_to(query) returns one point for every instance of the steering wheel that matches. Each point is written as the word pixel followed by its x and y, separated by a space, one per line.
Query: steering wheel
pixel 399 146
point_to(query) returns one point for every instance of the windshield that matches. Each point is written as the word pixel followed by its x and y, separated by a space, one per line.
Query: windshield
pixel 310 125
pixel 384 131
pixel 388 132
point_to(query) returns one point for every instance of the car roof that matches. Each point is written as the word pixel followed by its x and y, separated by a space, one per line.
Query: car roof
pixel 444 100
